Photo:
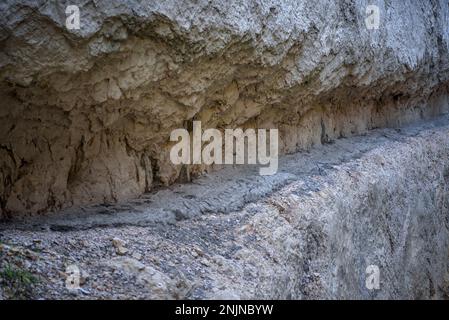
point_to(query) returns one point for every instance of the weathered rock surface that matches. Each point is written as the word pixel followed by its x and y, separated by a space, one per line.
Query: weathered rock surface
pixel 85 114
pixel 381 199
pixel 85 119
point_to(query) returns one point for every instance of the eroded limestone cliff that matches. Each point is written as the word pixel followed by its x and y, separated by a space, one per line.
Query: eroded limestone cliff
pixel 86 114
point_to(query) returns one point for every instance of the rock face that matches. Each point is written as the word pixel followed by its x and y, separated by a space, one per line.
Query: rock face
pixel 86 114
pixel 85 120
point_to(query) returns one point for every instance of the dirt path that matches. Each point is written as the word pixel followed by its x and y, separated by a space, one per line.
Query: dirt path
pixel 235 234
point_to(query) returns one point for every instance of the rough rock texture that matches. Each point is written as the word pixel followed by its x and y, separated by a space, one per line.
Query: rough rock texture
pixel 381 199
pixel 85 119
pixel 85 114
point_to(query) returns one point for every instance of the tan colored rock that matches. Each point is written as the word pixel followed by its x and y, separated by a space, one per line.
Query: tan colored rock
pixel 119 246
pixel 157 283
